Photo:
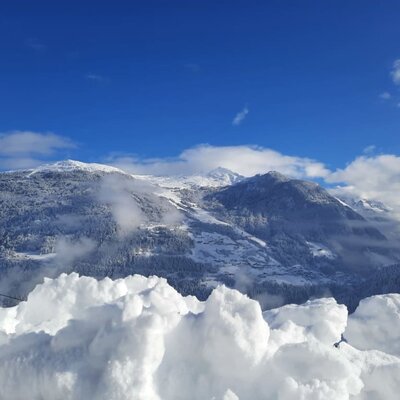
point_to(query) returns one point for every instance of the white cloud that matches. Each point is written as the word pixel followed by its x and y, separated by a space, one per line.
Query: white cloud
pixel 245 160
pixel 240 116
pixel 369 149
pixel 193 67
pixel 67 250
pixel 385 96
pixel 127 214
pixel 395 73
pixel 26 142
pixel 95 77
pixel 25 149
pixel 372 177
pixel 35 44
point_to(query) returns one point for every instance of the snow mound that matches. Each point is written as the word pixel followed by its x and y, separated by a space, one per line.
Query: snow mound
pixel 376 324
pixel 137 338
pixel 322 319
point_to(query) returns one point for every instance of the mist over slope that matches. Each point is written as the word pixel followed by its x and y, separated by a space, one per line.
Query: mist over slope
pixel 278 239
pixel 79 338
pixel 276 208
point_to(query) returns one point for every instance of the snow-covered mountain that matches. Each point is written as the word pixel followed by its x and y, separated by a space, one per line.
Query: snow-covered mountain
pixel 276 208
pixel 378 213
pixel 267 234
pixel 217 177
pixel 73 165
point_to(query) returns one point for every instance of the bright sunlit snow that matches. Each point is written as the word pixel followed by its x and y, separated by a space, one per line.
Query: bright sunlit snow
pixel 137 338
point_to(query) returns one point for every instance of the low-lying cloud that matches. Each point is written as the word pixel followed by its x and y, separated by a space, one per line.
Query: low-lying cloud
pixel 124 196
pixel 370 176
pixel 240 116
pixel 245 160
pixel 68 250
pixel 116 193
pixel 26 149
pixel 373 177
pixel 395 73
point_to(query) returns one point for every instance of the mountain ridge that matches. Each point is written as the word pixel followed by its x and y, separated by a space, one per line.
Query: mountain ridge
pixel 106 222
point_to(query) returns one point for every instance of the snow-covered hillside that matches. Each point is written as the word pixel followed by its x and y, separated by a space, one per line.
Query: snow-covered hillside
pixel 265 234
pixel 137 338
pixel 73 165
pixel 215 178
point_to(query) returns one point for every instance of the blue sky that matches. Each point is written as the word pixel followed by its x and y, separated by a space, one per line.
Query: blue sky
pixel 153 78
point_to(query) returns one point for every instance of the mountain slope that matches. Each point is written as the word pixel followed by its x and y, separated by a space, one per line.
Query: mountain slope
pixel 266 234
pixel 292 212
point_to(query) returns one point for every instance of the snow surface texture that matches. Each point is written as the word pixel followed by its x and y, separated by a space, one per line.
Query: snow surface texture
pixel 137 338
pixel 376 324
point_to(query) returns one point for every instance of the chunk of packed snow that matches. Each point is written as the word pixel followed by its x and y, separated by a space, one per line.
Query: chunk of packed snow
pixel 308 316
pixel 376 324
pixel 137 338
pixel 380 372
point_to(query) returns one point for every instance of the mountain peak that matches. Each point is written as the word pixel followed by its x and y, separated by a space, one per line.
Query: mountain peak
pixel 225 174
pixel 278 191
pixel 277 176
pixel 73 165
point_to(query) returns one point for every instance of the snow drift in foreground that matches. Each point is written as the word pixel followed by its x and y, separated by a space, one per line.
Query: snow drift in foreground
pixel 137 338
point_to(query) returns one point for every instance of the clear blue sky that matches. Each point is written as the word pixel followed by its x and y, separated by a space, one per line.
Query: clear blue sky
pixel 156 77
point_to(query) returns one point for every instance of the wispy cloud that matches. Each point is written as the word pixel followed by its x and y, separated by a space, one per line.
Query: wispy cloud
pixel 35 44
pixel 395 73
pixel 369 176
pixel 369 149
pixel 240 116
pixel 385 96
pixel 116 192
pixel 25 149
pixel 96 78
pixel 374 177
pixel 245 160
pixel 193 67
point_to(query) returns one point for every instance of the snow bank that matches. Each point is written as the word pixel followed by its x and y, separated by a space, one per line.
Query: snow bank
pixel 323 319
pixel 137 338
pixel 376 324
